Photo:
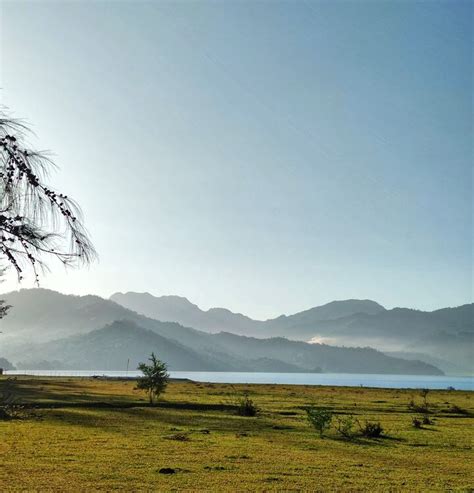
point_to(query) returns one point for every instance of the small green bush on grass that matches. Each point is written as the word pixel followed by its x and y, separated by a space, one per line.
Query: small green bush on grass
pixel 320 419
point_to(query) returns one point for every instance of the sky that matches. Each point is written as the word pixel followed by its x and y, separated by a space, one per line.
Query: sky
pixel 261 156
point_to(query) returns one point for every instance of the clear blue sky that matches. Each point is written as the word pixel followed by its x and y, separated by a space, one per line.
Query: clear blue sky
pixel 263 156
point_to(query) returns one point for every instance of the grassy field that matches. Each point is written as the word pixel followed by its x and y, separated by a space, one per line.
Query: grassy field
pixel 81 434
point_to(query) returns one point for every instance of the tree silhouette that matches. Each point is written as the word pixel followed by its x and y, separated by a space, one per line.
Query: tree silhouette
pixel 36 222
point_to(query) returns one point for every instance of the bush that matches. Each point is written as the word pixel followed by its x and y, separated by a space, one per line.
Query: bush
pixel 372 429
pixel 246 407
pixel 345 426
pixel 320 419
pixel 9 405
pixel 424 394
pixel 416 422
pixel 426 420
pixel 418 408
pixel 454 409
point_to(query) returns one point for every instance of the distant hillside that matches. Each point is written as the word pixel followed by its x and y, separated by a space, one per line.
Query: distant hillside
pixel 111 347
pixel 122 342
pixel 445 334
pixel 328 358
pixel 177 309
pixel 181 310
pixel 331 311
pixel 42 314
pixel 6 365
pixel 99 334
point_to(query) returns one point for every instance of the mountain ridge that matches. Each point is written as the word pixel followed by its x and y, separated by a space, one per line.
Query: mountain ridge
pixel 190 314
pixel 445 333
pixel 43 320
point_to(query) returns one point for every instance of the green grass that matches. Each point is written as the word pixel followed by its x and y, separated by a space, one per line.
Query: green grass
pixel 86 435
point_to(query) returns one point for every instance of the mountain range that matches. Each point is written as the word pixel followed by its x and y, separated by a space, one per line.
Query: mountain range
pixel 181 310
pixel 444 336
pixel 89 332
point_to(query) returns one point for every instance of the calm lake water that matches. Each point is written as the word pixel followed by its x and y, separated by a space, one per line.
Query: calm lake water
pixel 334 379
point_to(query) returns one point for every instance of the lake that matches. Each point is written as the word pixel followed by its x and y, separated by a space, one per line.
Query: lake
pixel 333 379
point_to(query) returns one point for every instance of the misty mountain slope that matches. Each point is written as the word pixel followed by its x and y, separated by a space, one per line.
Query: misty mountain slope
pixel 181 310
pixel 359 318
pixel 457 348
pixel 328 358
pixel 109 348
pixel 41 314
pixel 330 311
pixel 177 309
pixel 124 342
pixel 443 364
pixel 404 322
pixel 446 334
pixel 39 318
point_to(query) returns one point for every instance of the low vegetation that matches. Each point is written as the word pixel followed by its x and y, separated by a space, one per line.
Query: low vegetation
pixel 320 419
pixel 9 405
pixel 372 429
pixel 83 434
pixel 246 406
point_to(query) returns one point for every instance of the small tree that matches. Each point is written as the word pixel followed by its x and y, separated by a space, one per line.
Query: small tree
pixel 155 378
pixel 345 426
pixel 319 418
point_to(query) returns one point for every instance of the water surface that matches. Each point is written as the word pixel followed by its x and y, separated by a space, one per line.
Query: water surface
pixel 333 379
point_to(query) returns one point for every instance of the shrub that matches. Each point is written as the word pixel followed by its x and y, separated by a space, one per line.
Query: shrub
pixel 246 406
pixel 9 405
pixel 418 408
pixel 345 426
pixel 179 437
pixel 424 394
pixel 454 409
pixel 372 429
pixel 416 422
pixel 320 419
pixel 426 420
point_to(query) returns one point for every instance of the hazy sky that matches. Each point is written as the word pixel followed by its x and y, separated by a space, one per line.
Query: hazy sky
pixel 263 156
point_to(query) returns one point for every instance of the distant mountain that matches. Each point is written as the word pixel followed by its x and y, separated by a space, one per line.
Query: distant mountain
pixel 181 310
pixel 445 334
pixel 443 364
pixel 331 311
pixel 111 347
pixel 328 358
pixel 123 342
pixel 177 309
pixel 43 314
pixel 6 365
pixel 88 332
